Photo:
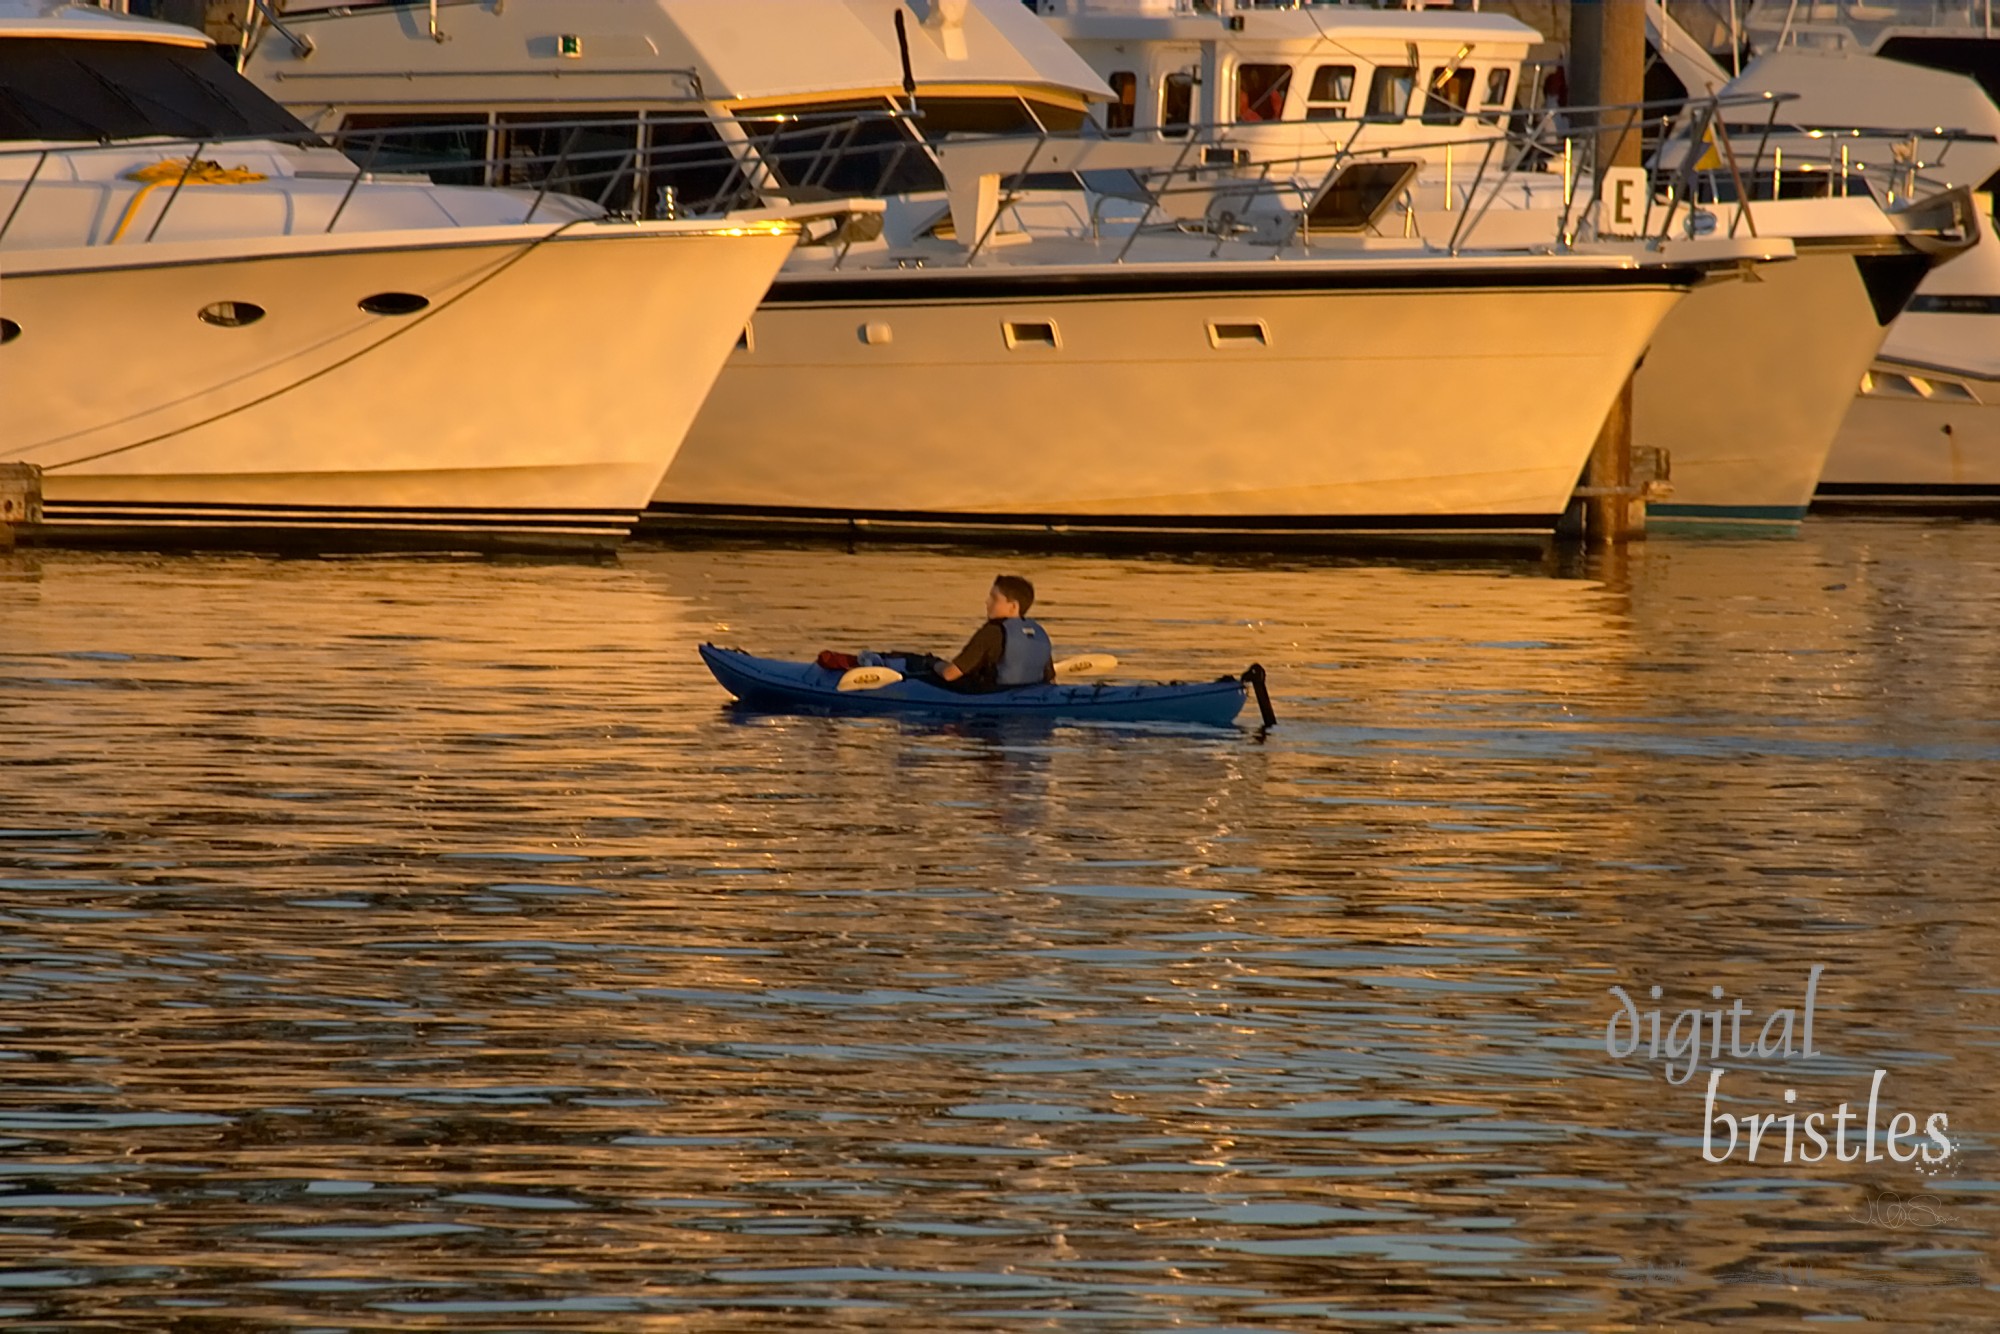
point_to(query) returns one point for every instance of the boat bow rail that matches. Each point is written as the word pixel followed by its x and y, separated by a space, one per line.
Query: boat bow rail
pixel 156 189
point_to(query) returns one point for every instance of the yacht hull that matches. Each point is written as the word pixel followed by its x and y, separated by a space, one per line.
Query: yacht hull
pixel 1923 434
pixel 1918 440
pixel 1271 401
pixel 513 411
pixel 1746 383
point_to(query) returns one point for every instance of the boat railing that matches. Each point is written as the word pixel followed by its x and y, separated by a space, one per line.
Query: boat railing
pixel 628 166
pixel 1236 188
pixel 682 164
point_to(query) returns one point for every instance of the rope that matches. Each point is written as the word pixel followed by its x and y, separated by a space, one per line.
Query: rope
pixel 403 327
pixel 181 171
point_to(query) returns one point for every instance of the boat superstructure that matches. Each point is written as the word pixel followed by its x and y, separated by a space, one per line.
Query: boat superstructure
pixel 1744 386
pixel 216 330
pixel 1036 343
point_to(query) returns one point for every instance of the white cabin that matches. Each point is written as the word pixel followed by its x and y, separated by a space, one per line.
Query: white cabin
pixel 1298 74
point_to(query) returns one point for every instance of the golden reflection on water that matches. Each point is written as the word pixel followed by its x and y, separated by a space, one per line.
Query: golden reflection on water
pixel 399 943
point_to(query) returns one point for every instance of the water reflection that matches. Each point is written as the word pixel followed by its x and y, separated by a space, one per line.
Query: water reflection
pixel 398 943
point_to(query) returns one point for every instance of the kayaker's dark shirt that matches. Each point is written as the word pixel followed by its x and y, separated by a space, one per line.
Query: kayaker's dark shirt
pixel 979 660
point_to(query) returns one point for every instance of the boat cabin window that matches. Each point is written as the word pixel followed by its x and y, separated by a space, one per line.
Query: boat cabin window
pixel 689 169
pixel 1177 103
pixel 87 89
pixel 1332 89
pixel 1498 86
pixel 1449 97
pixel 943 117
pixel 1261 90
pixel 1389 92
pixel 1125 100
pixel 591 154
pixel 822 150
pixel 1057 118
pixel 451 148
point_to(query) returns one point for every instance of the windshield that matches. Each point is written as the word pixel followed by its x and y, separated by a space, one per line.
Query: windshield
pixel 80 89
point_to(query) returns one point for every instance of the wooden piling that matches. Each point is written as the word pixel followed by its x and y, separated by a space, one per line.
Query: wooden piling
pixel 1607 57
pixel 20 499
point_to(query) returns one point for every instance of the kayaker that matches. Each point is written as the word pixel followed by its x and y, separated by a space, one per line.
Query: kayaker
pixel 1010 649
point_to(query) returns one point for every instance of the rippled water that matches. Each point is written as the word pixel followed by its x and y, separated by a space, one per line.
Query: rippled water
pixel 396 944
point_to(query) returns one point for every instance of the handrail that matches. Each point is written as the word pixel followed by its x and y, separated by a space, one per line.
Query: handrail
pixel 22 197
pixel 1262 197
pixel 301 46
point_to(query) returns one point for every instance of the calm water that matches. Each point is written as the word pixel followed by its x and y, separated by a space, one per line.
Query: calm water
pixel 400 944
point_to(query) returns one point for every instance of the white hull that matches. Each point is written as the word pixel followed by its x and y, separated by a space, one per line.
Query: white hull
pixel 1745 385
pixel 1918 439
pixel 1136 418
pixel 1747 382
pixel 482 420
pixel 1924 432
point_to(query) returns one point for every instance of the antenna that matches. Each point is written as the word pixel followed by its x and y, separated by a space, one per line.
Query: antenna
pixel 903 48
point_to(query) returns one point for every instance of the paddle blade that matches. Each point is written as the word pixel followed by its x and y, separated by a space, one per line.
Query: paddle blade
pixel 868 678
pixel 1085 664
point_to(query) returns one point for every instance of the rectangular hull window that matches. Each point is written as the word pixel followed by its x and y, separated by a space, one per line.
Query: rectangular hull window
pixel 1238 333
pixel 1030 334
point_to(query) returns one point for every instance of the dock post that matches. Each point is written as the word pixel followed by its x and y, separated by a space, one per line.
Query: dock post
pixel 20 499
pixel 1608 66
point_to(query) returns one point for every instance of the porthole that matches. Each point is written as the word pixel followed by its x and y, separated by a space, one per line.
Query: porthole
pixel 9 331
pixel 394 303
pixel 231 314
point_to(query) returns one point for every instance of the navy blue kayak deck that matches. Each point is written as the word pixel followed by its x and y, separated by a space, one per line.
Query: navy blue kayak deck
pixel 771 682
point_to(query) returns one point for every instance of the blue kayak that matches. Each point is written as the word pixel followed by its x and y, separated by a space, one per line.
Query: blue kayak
pixel 774 683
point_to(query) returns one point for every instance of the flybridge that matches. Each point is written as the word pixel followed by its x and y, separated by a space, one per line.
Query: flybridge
pixel 614 49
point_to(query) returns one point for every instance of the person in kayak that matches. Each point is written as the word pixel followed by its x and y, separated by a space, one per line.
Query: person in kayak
pixel 1009 650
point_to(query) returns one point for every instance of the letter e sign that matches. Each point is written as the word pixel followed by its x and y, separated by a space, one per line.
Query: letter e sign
pixel 1621 209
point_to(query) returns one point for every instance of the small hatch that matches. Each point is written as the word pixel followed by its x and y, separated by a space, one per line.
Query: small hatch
pixel 9 331
pixel 230 314
pixel 1030 333
pixel 394 303
pixel 1238 333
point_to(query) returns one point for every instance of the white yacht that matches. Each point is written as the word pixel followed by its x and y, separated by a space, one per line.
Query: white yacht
pixel 215 332
pixel 1893 99
pixel 1016 354
pixel 1744 385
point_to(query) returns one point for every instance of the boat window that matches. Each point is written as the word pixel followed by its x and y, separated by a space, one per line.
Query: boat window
pixel 451 149
pixel 1260 91
pixel 841 148
pixel 1449 96
pixel 1332 89
pixel 942 117
pixel 1177 103
pixel 1954 303
pixel 1125 100
pixel 68 89
pixel 689 169
pixel 1029 333
pixel 593 155
pixel 1389 92
pixel 230 314
pixel 1498 85
pixel 393 303
pixel 1238 333
pixel 1057 118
